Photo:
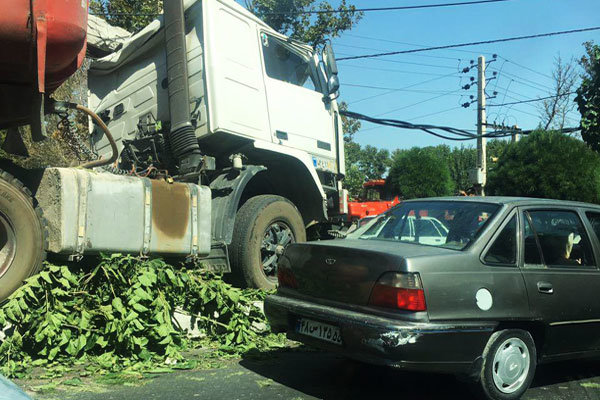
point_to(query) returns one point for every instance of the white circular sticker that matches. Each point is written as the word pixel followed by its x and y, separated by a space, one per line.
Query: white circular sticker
pixel 484 299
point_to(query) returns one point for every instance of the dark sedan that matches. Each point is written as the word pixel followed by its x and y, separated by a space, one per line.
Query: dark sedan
pixel 483 287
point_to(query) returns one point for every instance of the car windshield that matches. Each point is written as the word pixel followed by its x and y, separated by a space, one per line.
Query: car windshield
pixel 448 224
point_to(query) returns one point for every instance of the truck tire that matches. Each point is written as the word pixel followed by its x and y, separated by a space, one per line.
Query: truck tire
pixel 22 235
pixel 264 225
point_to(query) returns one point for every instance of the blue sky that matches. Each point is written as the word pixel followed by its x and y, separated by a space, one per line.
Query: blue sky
pixel 524 67
pixel 394 30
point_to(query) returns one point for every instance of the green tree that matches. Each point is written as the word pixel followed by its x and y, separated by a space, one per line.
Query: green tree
pixel 132 15
pixel 355 177
pixel 287 17
pixel 548 165
pixel 588 96
pixel 374 162
pixel 350 125
pixel 460 160
pixel 419 173
pixel 362 164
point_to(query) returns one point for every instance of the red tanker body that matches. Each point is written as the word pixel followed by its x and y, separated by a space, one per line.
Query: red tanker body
pixel 43 43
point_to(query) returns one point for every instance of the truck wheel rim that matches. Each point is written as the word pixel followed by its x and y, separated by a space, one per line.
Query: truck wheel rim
pixel 8 245
pixel 276 238
pixel 511 365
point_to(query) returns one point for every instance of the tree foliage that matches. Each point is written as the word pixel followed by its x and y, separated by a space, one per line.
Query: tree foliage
pixel 132 15
pixel 418 173
pixel 349 125
pixel 588 96
pixel 362 164
pixel 548 165
pixel 121 313
pixel 287 17
pixel 460 160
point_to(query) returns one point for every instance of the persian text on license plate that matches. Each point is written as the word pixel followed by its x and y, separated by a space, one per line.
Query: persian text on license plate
pixel 319 330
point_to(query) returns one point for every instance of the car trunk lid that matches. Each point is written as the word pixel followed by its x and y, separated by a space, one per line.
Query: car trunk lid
pixel 345 271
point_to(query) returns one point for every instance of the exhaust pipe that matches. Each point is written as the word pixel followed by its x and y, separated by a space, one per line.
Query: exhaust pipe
pixel 183 141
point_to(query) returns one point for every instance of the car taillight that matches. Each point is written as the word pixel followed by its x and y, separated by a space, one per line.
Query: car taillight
pixel 286 278
pixel 402 291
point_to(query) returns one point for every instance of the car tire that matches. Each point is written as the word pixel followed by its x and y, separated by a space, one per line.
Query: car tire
pixel 264 225
pixel 509 362
pixel 22 235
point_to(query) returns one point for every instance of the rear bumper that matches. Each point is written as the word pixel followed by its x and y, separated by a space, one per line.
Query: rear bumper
pixel 440 347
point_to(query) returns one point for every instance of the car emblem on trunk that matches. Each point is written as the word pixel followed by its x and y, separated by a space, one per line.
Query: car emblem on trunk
pixel 330 261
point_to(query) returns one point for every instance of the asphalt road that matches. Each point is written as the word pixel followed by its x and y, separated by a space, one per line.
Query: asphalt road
pixel 314 375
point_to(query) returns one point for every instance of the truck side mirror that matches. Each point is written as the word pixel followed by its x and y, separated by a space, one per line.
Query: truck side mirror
pixel 331 69
pixel 333 84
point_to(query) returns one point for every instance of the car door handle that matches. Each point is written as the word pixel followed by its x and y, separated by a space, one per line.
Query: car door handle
pixel 545 287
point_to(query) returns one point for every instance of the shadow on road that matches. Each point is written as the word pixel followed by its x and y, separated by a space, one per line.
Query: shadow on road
pixel 567 372
pixel 330 376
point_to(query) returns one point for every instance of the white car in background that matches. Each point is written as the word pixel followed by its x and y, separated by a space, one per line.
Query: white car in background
pixel 424 230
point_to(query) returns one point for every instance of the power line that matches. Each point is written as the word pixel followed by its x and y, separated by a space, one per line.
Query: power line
pixel 417 103
pixel 124 14
pixel 510 39
pixel 394 70
pixel 444 92
pixel 531 100
pixel 414 44
pixel 409 62
pixel 436 113
pixel 525 81
pixel 520 101
pixel 309 12
pixel 457 134
pixel 413 7
pixel 527 68
pixel 406 87
pixel 415 55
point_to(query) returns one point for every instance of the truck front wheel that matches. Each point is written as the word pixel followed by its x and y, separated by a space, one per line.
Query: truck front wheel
pixel 264 226
pixel 22 235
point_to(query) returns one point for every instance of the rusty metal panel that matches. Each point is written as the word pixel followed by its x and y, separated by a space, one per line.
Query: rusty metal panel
pixel 90 213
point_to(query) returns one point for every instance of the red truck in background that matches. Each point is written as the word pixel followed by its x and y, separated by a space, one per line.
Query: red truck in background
pixel 373 200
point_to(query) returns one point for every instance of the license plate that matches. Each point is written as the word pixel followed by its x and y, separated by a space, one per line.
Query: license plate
pixel 319 330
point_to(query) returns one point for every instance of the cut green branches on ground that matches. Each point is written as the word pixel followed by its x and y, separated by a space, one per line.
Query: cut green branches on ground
pixel 119 315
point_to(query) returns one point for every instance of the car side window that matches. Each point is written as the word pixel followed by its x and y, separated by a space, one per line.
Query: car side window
pixel 594 219
pixel 562 239
pixel 530 248
pixel 504 248
pixel 283 64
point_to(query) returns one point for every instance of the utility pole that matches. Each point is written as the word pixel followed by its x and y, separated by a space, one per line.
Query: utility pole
pixel 481 172
pixel 515 136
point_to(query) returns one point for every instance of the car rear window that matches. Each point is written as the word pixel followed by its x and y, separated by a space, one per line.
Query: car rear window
pixel 448 224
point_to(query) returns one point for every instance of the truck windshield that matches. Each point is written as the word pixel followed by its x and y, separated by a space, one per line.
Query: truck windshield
pixel 448 224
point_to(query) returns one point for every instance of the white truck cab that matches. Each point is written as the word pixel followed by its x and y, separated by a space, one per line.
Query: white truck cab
pixel 263 113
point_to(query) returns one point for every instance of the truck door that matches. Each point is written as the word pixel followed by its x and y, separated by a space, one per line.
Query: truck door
pixel 562 279
pixel 298 116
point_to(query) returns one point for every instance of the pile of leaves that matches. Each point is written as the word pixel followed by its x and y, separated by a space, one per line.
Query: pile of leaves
pixel 120 313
